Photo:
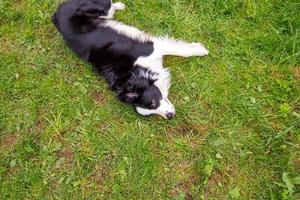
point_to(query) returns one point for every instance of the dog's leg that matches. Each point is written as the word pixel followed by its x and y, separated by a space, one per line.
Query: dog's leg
pixel 113 9
pixel 167 46
pixel 118 6
pixel 162 46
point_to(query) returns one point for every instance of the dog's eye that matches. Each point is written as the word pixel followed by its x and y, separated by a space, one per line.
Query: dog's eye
pixel 153 104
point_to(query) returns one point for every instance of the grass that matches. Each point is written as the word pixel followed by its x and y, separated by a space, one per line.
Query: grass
pixel 236 135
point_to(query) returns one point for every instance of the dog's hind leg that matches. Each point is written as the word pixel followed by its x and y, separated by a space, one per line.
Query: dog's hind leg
pixel 167 46
pixel 113 9
pixel 118 6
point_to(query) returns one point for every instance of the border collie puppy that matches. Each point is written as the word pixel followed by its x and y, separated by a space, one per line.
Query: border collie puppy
pixel 130 60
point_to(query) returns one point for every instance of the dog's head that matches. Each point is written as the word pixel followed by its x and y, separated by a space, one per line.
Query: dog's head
pixel 146 97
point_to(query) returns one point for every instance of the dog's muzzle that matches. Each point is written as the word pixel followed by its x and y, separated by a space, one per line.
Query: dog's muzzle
pixel 166 110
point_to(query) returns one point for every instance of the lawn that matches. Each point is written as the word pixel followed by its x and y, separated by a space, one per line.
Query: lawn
pixel 236 134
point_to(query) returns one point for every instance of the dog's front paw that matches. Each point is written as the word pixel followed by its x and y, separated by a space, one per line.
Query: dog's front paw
pixel 199 48
pixel 119 6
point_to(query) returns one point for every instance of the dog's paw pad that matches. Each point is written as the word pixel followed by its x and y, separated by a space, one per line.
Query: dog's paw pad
pixel 119 6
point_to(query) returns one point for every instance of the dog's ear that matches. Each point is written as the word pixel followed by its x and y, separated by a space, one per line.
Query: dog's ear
pixel 92 11
pixel 132 90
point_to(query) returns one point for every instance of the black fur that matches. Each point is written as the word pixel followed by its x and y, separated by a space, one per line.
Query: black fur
pixel 110 52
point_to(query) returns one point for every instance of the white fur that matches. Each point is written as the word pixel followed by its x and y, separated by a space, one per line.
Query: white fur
pixel 168 46
pixel 114 7
pixel 162 46
pixel 119 6
pixel 129 31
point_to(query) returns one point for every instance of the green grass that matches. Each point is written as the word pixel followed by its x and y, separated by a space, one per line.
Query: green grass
pixel 236 135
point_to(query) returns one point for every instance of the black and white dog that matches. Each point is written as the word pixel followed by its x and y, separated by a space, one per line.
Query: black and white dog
pixel 129 59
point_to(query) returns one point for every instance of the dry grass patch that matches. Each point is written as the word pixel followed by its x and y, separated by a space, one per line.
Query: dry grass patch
pixel 9 141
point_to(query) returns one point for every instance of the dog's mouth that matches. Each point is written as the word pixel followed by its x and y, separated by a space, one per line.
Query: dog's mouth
pixel 167 116
pixel 165 110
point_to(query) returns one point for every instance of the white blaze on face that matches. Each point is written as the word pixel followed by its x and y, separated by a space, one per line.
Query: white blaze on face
pixel 165 109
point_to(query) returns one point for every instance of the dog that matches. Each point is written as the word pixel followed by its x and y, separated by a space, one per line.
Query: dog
pixel 130 60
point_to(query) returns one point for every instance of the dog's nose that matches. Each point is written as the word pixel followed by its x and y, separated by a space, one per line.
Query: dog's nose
pixel 170 115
